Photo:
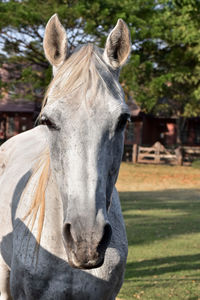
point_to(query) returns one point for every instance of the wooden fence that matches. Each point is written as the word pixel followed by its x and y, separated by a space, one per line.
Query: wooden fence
pixel 190 153
pixel 158 154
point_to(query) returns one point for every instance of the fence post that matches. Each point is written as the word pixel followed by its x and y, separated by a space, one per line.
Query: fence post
pixel 179 156
pixel 135 153
pixel 157 153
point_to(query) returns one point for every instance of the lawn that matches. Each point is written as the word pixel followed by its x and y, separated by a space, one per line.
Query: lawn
pixel 161 207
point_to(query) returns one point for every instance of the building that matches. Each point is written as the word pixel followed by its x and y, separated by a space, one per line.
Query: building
pixel 16 117
pixel 145 130
pixel 17 113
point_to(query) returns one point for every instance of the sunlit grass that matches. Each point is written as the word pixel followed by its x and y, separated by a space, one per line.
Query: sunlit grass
pixel 161 207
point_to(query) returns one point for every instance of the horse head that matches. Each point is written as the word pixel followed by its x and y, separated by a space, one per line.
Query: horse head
pixel 85 113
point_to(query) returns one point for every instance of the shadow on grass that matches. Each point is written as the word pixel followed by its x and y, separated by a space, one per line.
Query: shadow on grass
pixel 156 215
pixel 160 215
pixel 164 265
pixel 185 199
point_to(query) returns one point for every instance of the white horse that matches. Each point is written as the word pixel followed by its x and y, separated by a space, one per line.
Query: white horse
pixel 61 228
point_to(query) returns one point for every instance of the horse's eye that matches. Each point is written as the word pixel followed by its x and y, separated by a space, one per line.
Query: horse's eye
pixel 46 121
pixel 123 119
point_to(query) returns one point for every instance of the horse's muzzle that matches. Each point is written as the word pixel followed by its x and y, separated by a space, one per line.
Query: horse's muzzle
pixel 86 252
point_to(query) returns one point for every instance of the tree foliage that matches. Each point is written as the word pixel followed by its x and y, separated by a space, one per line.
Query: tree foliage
pixel 163 72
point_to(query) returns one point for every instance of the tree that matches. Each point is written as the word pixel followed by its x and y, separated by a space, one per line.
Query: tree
pixel 22 31
pixel 163 72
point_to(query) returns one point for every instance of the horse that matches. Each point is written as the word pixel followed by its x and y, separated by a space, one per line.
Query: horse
pixel 62 234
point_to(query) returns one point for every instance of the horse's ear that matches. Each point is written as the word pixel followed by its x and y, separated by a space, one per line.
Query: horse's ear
pixel 55 42
pixel 118 45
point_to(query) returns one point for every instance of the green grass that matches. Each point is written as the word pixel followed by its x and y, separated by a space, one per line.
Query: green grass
pixel 163 228
pixel 196 164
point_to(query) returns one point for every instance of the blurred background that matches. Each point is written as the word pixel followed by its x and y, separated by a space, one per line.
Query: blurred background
pixel 161 80
pixel 161 203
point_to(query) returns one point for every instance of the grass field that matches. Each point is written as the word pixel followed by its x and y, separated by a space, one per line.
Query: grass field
pixel 161 207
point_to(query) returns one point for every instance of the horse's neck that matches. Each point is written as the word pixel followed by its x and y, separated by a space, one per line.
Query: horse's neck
pixel 17 157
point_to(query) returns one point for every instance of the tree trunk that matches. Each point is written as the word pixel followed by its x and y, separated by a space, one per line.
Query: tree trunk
pixel 180 127
pixel 178 137
pixel 135 153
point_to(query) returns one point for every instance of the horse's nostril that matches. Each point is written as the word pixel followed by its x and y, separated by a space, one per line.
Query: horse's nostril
pixel 105 238
pixel 67 233
pixel 107 234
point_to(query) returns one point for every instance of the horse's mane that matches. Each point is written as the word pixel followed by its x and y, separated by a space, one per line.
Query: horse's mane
pixel 38 201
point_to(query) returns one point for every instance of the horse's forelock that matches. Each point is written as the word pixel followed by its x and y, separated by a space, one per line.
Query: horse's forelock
pixel 82 70
pixel 71 75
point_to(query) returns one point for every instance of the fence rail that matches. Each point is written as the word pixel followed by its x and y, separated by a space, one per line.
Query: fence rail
pixel 158 154
pixel 190 153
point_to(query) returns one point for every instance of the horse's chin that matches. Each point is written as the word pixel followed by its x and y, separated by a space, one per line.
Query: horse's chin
pixel 91 264
pixel 85 259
